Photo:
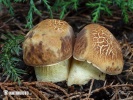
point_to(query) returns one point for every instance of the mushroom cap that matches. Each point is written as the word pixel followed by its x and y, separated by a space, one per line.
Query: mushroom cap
pixel 97 45
pixel 48 43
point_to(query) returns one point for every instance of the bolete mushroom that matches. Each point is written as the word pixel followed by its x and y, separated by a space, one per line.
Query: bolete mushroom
pixel 96 53
pixel 48 47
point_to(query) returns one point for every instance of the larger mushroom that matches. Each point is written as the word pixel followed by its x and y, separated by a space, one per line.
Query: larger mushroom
pixel 48 47
pixel 96 53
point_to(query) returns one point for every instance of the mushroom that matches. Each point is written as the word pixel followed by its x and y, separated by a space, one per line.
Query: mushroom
pixel 96 53
pixel 47 47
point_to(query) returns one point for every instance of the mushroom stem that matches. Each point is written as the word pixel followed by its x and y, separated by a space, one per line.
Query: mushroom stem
pixel 81 72
pixel 53 73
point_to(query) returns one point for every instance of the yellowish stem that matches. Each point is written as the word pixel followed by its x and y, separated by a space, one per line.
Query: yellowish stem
pixel 54 73
pixel 81 72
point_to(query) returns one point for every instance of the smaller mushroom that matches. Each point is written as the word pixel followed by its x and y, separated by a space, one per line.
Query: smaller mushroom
pixel 96 53
pixel 48 47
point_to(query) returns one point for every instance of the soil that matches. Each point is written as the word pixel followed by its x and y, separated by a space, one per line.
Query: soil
pixel 116 87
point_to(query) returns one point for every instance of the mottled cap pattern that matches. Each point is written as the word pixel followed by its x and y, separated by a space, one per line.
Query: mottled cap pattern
pixel 96 44
pixel 49 42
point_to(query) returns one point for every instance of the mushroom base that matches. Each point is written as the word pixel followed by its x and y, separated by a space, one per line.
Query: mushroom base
pixel 81 72
pixel 53 73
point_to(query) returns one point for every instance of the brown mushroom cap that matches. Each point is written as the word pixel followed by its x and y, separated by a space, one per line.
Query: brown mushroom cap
pixel 98 46
pixel 49 42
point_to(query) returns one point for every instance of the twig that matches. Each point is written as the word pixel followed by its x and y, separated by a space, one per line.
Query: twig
pixel 7 22
pixel 92 82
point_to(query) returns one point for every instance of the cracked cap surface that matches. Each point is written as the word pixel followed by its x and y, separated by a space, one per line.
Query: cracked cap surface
pixel 49 42
pixel 98 46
